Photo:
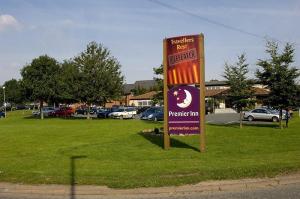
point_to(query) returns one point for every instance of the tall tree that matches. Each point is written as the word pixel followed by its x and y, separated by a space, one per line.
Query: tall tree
pixel 139 90
pixel 100 74
pixel 13 92
pixel 279 76
pixel 240 90
pixel 1 97
pixel 68 83
pixel 40 79
pixel 159 97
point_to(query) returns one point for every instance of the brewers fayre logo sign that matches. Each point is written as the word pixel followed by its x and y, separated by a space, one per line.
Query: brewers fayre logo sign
pixel 183 60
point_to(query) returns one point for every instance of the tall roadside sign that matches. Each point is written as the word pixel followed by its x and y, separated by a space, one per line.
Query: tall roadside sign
pixel 184 87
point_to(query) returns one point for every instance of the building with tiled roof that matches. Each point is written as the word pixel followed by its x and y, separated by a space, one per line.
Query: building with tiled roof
pixel 142 100
pixel 215 90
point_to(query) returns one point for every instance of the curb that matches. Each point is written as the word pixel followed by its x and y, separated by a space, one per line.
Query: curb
pixel 208 186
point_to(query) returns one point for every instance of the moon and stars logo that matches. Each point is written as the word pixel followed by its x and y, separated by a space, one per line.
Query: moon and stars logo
pixel 183 98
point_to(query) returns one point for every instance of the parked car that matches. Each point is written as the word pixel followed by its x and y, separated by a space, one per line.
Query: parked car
pixel 93 111
pixel 46 110
pixel 81 111
pixel 85 110
pixel 157 116
pixel 131 110
pixel 273 110
pixel 149 111
pixel 142 109
pixel 121 113
pixel 263 114
pixel 103 113
pixel 208 109
pixel 62 112
pixel 2 114
pixel 21 107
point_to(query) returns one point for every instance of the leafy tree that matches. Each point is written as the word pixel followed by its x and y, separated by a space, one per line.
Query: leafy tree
pixel 68 83
pixel 159 97
pixel 100 75
pixel 139 90
pixel 13 92
pixel 240 90
pixel 1 96
pixel 40 79
pixel 279 76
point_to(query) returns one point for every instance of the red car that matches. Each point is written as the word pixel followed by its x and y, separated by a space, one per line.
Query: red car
pixel 63 112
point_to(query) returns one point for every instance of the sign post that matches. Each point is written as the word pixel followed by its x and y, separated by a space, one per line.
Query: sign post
pixel 184 87
pixel 166 89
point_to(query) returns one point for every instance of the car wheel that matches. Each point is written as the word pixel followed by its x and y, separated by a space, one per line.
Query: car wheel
pixel 275 119
pixel 250 118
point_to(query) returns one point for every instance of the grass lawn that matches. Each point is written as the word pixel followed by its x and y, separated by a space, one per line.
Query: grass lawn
pixel 114 153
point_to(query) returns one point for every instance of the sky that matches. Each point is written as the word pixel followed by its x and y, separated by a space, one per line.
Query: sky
pixel 133 31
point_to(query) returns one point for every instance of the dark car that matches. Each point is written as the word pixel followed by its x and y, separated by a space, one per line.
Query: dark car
pixel 94 111
pixel 2 114
pixel 21 107
pixel 81 111
pixel 85 110
pixel 142 109
pixel 63 112
pixel 149 111
pixel 103 113
pixel 157 116
pixel 208 109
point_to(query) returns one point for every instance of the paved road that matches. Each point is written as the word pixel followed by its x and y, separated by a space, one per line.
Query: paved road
pixel 230 118
pixel 280 187
pixel 281 192
pixel 222 118
pixel 291 191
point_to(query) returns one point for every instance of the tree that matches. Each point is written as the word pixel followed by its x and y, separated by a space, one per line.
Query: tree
pixel 159 97
pixel 13 92
pixel 40 79
pixel 279 76
pixel 100 75
pixel 139 90
pixel 240 90
pixel 68 83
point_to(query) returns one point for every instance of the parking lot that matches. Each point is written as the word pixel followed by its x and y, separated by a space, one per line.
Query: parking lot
pixel 229 118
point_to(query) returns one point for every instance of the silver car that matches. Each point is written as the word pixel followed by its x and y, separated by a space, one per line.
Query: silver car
pixel 262 114
pixel 46 111
pixel 121 114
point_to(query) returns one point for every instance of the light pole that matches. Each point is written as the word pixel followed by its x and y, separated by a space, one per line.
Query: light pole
pixel 4 101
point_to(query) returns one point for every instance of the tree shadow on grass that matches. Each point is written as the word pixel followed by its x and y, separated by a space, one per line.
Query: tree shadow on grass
pixel 152 122
pixel 157 139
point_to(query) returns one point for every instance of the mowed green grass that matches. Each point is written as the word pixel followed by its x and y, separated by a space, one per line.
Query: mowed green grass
pixel 116 154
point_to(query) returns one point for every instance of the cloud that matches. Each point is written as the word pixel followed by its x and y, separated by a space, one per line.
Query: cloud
pixel 8 22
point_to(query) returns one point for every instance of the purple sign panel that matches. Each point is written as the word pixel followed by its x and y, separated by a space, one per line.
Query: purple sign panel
pixel 183 110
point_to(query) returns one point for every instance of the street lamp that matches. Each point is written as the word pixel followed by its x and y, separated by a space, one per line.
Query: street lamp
pixel 4 101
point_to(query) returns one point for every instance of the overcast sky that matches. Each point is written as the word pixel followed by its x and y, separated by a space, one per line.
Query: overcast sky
pixel 133 30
